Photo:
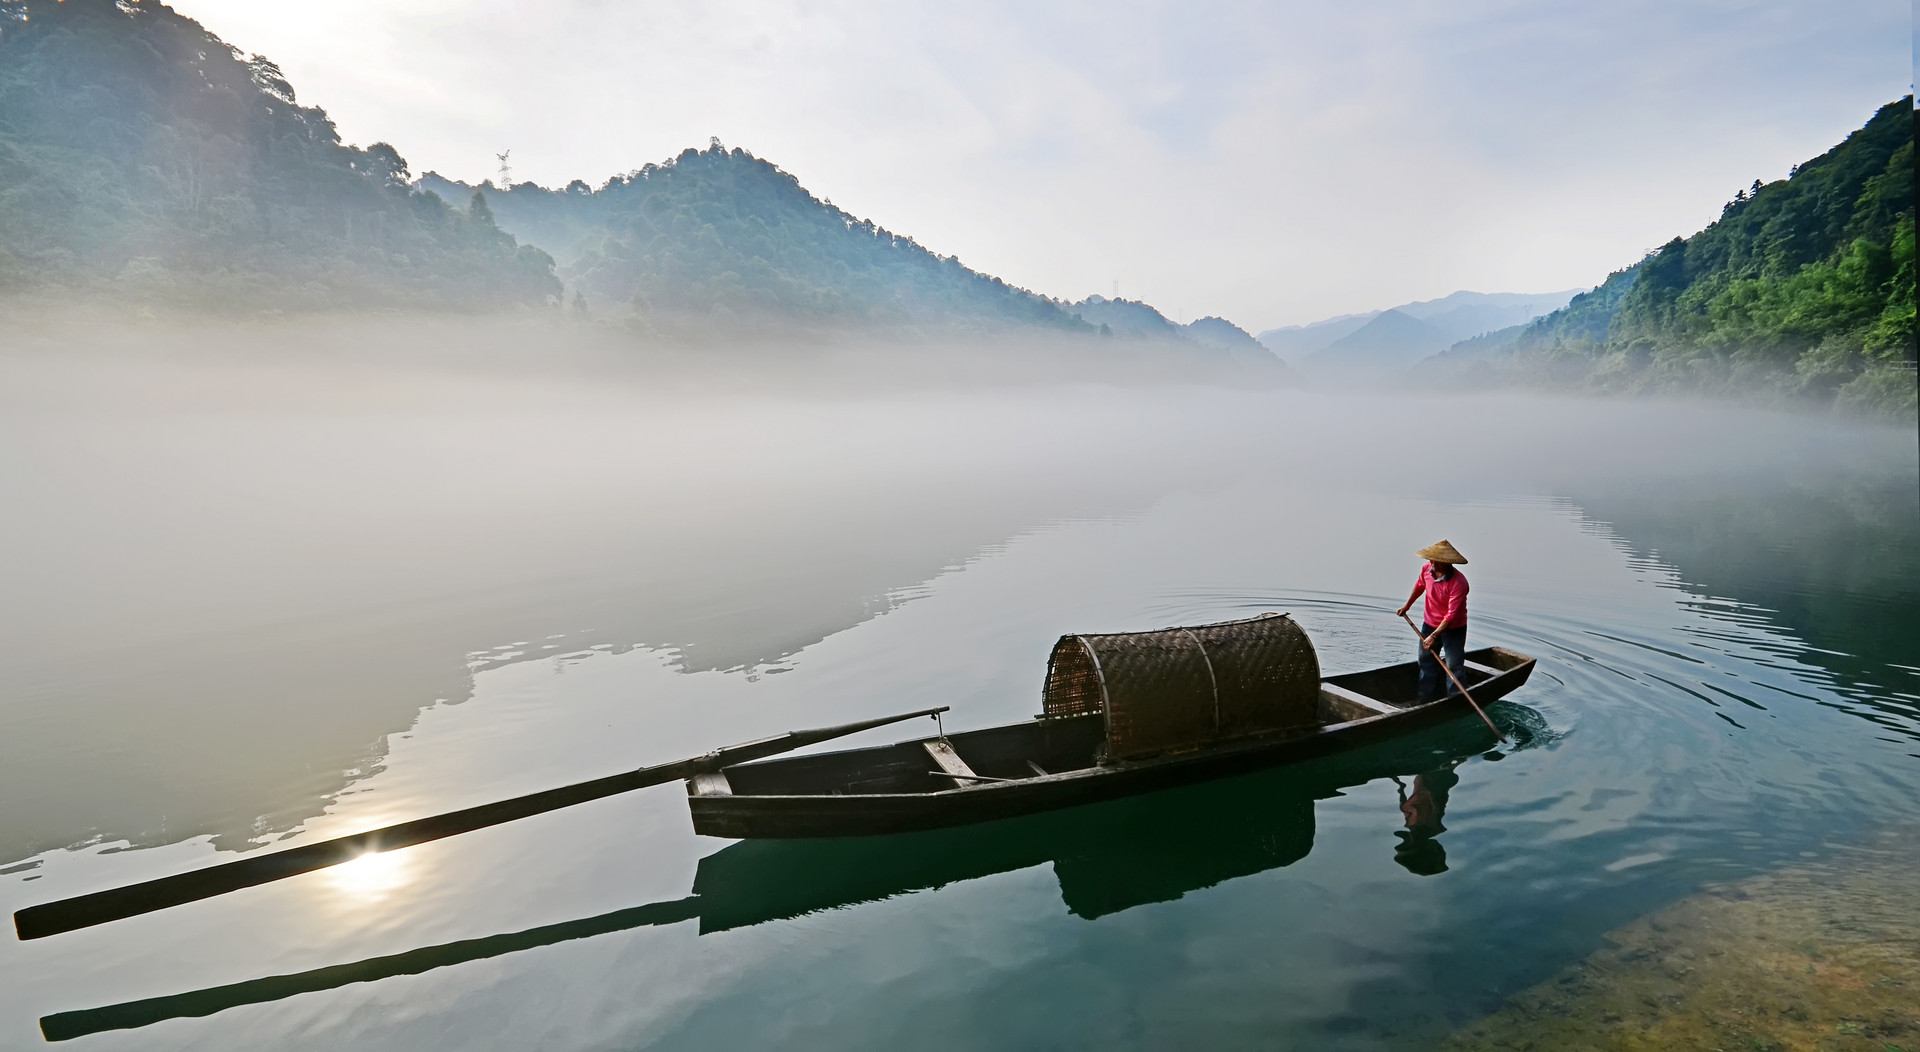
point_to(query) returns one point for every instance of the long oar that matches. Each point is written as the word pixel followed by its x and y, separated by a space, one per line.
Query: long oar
pixel 83 911
pixel 1456 679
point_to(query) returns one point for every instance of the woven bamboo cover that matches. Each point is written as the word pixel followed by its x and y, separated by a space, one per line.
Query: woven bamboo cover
pixel 1181 688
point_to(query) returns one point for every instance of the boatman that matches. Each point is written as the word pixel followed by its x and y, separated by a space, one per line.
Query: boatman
pixel 1446 618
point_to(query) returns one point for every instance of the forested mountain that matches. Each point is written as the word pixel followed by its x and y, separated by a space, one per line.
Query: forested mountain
pixel 1219 332
pixel 720 235
pixel 1584 319
pixel 1803 287
pixel 144 160
pixel 563 223
pixel 141 157
pixel 1128 319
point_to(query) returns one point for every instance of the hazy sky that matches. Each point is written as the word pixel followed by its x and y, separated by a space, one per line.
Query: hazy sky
pixel 1273 163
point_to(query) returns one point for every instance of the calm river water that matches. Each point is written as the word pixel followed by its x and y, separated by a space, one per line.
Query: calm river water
pixel 248 607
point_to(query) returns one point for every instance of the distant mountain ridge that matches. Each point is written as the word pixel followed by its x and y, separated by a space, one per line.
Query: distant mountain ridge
pixel 1456 316
pixel 1392 340
pixel 1134 320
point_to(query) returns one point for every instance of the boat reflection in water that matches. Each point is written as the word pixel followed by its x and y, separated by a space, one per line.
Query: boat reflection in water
pixel 1107 857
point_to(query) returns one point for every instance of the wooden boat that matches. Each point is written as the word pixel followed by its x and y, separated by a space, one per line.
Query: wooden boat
pixel 1122 714
pixel 1106 858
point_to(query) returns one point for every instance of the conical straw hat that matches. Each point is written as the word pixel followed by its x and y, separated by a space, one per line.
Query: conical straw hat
pixel 1443 552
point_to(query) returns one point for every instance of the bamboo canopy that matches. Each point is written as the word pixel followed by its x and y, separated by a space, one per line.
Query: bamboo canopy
pixel 1186 688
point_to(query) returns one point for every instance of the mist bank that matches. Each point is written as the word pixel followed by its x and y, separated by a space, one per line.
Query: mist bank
pixel 556 354
pixel 252 553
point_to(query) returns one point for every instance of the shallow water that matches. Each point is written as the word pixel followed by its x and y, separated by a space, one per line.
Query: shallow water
pixel 1823 955
pixel 276 608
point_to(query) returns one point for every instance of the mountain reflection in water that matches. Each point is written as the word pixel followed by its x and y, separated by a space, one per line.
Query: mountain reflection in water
pixel 1831 557
pixel 1107 857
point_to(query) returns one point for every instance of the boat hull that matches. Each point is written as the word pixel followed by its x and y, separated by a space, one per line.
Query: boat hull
pixel 817 802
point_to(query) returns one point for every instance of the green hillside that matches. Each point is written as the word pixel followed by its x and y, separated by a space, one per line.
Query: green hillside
pixel 143 158
pixel 721 236
pixel 1803 288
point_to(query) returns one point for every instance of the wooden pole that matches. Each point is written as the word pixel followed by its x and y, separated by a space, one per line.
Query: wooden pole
pixel 1456 679
pixel 81 911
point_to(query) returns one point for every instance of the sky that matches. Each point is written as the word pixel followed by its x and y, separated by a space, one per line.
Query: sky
pixel 1272 163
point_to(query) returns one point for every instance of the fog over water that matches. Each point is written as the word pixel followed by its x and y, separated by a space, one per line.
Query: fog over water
pixel 271 581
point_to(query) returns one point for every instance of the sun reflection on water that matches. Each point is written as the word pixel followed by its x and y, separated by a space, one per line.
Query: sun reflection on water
pixel 371 876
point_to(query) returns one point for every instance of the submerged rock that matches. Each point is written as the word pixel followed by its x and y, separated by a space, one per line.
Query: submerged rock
pixel 1821 956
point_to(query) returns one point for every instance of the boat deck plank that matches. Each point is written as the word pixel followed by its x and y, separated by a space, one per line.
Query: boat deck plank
pixel 713 783
pixel 949 761
pixel 1377 708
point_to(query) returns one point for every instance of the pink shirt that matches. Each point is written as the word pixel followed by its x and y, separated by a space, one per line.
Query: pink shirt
pixel 1446 597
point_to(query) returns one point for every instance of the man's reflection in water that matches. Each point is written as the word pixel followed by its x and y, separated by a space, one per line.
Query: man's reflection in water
pixel 1423 808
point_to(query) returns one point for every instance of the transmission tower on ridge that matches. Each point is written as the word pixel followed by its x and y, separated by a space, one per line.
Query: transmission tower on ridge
pixel 506 170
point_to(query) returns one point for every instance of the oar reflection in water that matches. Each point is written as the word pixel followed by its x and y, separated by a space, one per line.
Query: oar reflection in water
pixel 1107 858
pixel 64 1026
pixel 1111 863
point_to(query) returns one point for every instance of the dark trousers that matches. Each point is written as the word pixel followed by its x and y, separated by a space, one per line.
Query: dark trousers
pixel 1453 647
